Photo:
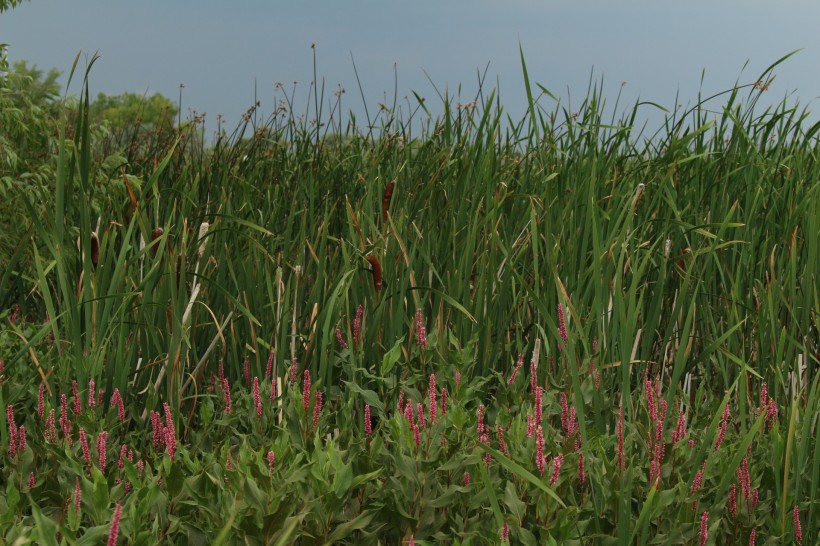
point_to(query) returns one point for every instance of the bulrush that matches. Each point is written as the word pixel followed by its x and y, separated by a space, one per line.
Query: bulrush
pixel 115 525
pixel 433 401
pixel 102 438
pixel 41 408
pixel 340 339
pixel 562 327
pixel 540 458
pixel 116 400
pixel 306 391
pixel 421 333
pixel 704 528
pixel 798 529
pixel 724 421
pixel 269 366
pixel 170 432
pixel 518 365
pixel 317 408
pixel 84 445
pixel 257 402
pixel 557 462
pixel 368 431
pixel 78 405
pixel 12 431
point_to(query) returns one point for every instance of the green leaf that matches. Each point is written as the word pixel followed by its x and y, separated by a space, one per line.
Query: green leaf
pixel 391 357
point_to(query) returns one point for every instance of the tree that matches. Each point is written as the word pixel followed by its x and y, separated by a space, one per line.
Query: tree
pixel 123 111
pixel 9 4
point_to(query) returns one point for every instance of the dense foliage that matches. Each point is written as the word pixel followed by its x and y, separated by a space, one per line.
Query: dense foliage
pixel 467 331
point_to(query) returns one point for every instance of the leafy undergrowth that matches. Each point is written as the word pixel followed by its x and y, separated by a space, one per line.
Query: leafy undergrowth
pixel 430 463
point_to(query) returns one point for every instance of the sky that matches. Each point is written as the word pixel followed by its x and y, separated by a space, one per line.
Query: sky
pixel 226 54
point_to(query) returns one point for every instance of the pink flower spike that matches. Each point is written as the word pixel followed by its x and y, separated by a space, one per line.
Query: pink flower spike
pixel 752 537
pixel 78 405
pixel 458 378
pixel 539 404
pixel 41 401
pixel 306 390
pixel 91 393
pixel 115 525
pixel 31 481
pixel 444 401
pixel 102 437
pixel 420 413
pixel 123 453
pixel 78 495
pixel 517 367
pixel 84 445
pixel 466 479
pixel 421 333
pixel 269 367
pixel 271 460
pixel 562 327
pixel 505 533
pixel 340 339
pixel 21 433
pixel 12 431
pixel 798 529
pixel 226 395
pixel 502 445
pixel 357 325
pixel 433 402
pixel 416 436
pixel 556 468
pixel 317 408
pixel 367 426
pixel 704 528
pixel 256 400
pixel 540 458
pixel 170 432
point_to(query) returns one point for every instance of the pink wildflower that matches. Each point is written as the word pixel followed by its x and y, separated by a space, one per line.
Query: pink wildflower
pixel 294 368
pixel 306 390
pixel 416 435
pixel 530 425
pixel 764 397
pixel 771 413
pixel 357 325
pixel 256 400
pixel 564 413
pixel 505 533
pixel 421 333
pixel 556 468
pixel 798 529
pixel 539 404
pixel 433 402
pixel 420 413
pixel 21 433
pixel 269 367
pixel 502 446
pixel 368 431
pixel 226 395
pixel 84 445
pixel 540 458
pixel 115 525
pixel 408 412
pixel 140 468
pixel 340 339
pixel 12 431
pixel 170 432
pixel 31 481
pixel 78 495
pixel 680 428
pixel 123 453
pixel 755 494
pixel 724 421
pixel 116 400
pixel 51 431
pixel 466 479
pixel 317 408
pixel 733 501
pixel 517 367
pixel 458 378
pixel 41 408
pixel 78 407
pixel 271 460
pixel 91 393
pixel 562 328
pixel 752 537
pixel 704 528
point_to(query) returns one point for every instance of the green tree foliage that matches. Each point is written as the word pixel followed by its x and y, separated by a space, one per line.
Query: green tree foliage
pixel 6 5
pixel 127 109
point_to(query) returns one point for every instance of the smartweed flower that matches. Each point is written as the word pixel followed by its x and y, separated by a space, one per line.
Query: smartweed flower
pixel 41 401
pixel 78 495
pixel 170 432
pixel 420 413
pixel 798 529
pixel 121 460
pixel 416 436
pixel 271 460
pixel 539 404
pixel 367 425
pixel 704 528
pixel 752 537
pixel 562 327
pixel 84 445
pixel 91 393
pixel 433 402
pixel 444 401
pixel 257 402
pixel 724 421
pixel 733 501
pixel 226 395
pixel 505 533
pixel 357 326
pixel 78 407
pixel 140 468
pixel 12 431
pixel 115 525
pixel 340 339
pixel 31 481
pixel 317 408
pixel 421 333
pixel 458 377
pixel 540 459
pixel 306 390
pixel 51 431
pixel 466 479
pixel 502 446
pixel 530 425
pixel 116 400
pixel 102 437
pixel 557 462
pixel 564 414
pixel 269 367
pixel 21 433
pixel 517 367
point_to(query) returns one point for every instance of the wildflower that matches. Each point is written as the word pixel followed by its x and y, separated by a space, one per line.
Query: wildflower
pixel 115 525
pixel 408 412
pixel 78 495
pixel 771 413
pixel 40 401
pixel 306 390
pixel 226 395
pixel 557 462
pixel 12 431
pixel 458 378
pixel 256 400
pixel 571 423
pixel 77 403
pixel 539 404
pixel 540 459
pixel 269 367
pixel 752 537
pixel 724 421
pixel 755 494
pixel 650 400
pixel 51 430
pixel 272 388
pixel 271 460
pixel 84 444
pixel 293 370
pixel 764 397
pixel 412 541
pixel 102 437
pixel 121 460
pixel 502 446
pixel 530 425
pixel 466 479
pixel 140 468
pixel 416 436
pixel 564 413
pixel 420 413
pixel 480 421
pixel 357 325
pixel 704 530
pixel 116 400
pixel 401 401
pixel 798 529
pixel 696 484
pixel 340 339
pixel 421 333
pixel 680 429
pixel 534 364
pixel 505 533
pixel 733 500
pixel 317 408
pixel 517 367
pixel 21 433
pixel 99 397
pixel 31 480
pixel 367 425
pixel 170 432
pixel 433 402
pixel 562 328
pixel 91 393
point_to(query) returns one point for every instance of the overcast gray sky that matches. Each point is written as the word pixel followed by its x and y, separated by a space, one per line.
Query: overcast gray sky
pixel 219 49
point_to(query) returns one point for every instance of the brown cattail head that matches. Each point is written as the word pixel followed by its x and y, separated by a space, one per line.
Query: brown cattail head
pixel 95 249
pixel 386 197
pixel 156 234
pixel 377 273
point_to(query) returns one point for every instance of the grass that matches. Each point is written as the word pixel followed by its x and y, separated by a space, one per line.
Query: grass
pixel 685 266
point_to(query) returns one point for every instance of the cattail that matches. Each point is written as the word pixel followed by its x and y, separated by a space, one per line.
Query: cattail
pixel 116 400
pixel 517 367
pixel 798 529
pixel 84 445
pixel 271 460
pixel 12 431
pixel 317 408
pixel 246 370
pixel 203 231
pixel 257 402
pixel 421 333
pixel 340 339
pixel 502 446
pixel 357 325
pixel 95 249
pixel 540 459
pixel 91 398
pixel 269 367
pixel 102 437
pixel 77 403
pixel 556 468
pixel 444 401
pixel 466 479
pixel 368 430
pixel 376 271
pixel 386 197
pixel 115 525
pixel 704 530
pixel 562 328
pixel 306 390
pixel 621 438
pixel 41 408
pixel 226 395
pixel 433 402
pixel 170 432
